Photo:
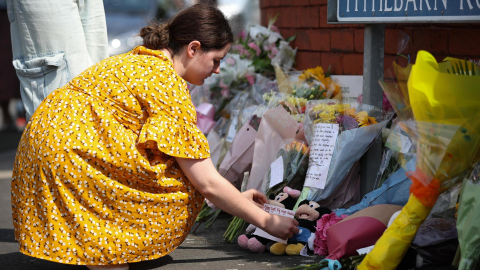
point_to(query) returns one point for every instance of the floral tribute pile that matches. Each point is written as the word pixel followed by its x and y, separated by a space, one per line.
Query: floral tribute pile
pixel 290 135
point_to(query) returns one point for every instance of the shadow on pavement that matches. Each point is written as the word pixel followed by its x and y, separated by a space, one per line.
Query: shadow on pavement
pixel 7 235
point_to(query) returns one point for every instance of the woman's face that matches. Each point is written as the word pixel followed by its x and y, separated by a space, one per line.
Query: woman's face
pixel 203 64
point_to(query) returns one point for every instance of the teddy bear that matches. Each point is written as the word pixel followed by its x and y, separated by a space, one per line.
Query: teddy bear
pixel 307 214
pixel 286 199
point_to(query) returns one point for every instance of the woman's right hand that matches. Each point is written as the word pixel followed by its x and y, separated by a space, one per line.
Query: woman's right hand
pixel 281 227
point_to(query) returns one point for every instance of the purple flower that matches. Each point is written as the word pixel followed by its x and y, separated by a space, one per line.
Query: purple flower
pixel 255 48
pixel 349 122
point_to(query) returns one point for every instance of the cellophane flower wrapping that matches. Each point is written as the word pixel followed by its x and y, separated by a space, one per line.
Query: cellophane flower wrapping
pixel 447 138
pixel 468 222
pixel 326 221
pixel 295 162
pixel 359 125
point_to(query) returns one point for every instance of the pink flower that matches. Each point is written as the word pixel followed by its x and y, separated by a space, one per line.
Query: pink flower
pixel 243 34
pixel 255 48
pixel 225 91
pixel 230 61
pixel 250 79
pixel 325 222
pixel 273 53
pixel 275 29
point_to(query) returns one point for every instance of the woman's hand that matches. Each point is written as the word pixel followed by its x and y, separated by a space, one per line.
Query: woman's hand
pixel 257 197
pixel 281 227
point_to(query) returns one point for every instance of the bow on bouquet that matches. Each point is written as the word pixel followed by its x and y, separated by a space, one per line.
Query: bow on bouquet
pixel 338 135
pixel 445 98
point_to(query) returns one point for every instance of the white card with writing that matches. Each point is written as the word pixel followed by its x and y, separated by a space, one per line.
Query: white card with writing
pixel 276 172
pixel 321 151
pixel 275 210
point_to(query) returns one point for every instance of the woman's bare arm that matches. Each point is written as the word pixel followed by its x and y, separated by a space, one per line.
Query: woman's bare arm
pixel 203 175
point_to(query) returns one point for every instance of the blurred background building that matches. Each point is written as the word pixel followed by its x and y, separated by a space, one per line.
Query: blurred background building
pixel 125 18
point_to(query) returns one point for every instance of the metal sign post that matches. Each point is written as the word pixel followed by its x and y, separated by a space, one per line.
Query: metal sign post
pixel 375 14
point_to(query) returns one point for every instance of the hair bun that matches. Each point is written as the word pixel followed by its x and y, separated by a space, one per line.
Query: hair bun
pixel 155 36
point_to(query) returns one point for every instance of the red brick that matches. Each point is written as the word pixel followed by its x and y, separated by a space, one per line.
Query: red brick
pixel 300 3
pixel 305 17
pixel 302 41
pixel 342 40
pixel 319 40
pixel 274 3
pixel 288 32
pixel 264 4
pixel 334 60
pixel 305 60
pixel 358 41
pixel 352 64
pixel 263 17
pixel 282 21
pixel 434 41
pixel 318 2
pixel 394 36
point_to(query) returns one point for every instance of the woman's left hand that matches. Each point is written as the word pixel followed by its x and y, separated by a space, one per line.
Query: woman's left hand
pixel 257 197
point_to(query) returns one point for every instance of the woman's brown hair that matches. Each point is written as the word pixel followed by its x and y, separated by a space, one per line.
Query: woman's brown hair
pixel 199 22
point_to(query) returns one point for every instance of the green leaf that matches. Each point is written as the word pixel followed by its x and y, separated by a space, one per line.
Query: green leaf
pixel 466 68
pixel 328 71
pixel 292 38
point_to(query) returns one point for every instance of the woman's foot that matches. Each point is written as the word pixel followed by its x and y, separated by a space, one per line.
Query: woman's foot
pixel 123 266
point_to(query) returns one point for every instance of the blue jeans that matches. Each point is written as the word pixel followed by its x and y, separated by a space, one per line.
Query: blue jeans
pixel 54 41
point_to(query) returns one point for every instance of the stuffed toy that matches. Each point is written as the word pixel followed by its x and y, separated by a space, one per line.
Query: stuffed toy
pixel 286 199
pixel 307 214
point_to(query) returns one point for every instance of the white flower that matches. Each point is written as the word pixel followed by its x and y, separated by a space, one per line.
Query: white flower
pixel 285 56
pixel 259 33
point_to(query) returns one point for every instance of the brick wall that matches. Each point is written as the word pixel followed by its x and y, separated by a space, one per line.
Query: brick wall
pixel 341 46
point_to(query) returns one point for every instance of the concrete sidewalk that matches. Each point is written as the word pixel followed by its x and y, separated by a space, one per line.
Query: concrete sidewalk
pixel 203 250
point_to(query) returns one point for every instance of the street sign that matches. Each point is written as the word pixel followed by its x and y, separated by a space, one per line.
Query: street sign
pixel 396 11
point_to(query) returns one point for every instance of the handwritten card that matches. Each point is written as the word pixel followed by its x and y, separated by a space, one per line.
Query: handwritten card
pixel 321 151
pixel 276 172
pixel 275 210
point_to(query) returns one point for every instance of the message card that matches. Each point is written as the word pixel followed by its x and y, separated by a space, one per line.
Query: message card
pixel 321 151
pixel 275 210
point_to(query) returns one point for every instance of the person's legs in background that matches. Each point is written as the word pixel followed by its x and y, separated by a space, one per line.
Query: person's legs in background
pixel 53 41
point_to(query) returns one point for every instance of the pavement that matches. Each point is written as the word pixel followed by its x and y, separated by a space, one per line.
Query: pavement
pixel 204 249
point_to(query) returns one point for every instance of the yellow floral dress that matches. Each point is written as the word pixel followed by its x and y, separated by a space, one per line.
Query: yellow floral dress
pixel 95 178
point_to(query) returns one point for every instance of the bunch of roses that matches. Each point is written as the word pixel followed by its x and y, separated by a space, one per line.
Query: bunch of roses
pixel 325 222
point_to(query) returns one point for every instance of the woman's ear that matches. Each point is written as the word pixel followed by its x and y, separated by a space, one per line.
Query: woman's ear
pixel 193 47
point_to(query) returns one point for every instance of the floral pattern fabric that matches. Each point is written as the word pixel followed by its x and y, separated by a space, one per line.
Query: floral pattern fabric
pixel 95 178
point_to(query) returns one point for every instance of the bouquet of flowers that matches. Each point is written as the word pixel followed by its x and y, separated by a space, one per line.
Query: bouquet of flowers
pixel 265 47
pixel 338 135
pixel 292 161
pixel 447 135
